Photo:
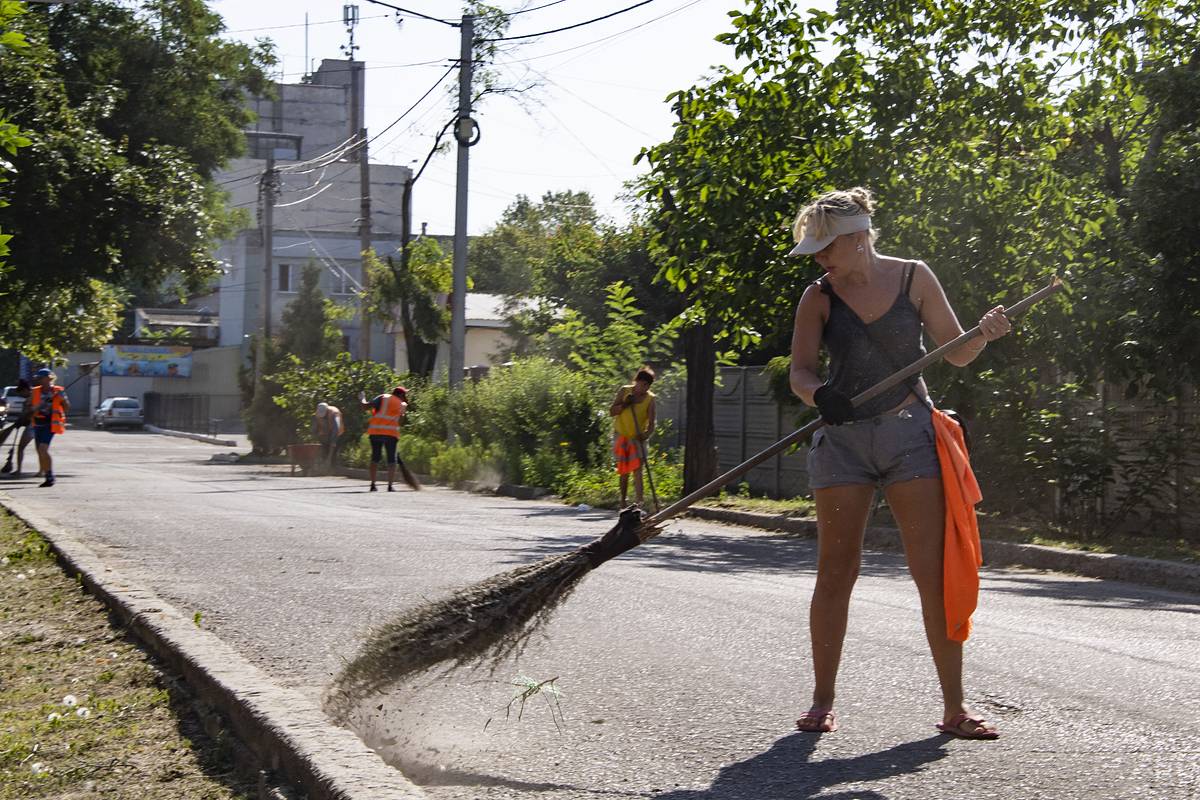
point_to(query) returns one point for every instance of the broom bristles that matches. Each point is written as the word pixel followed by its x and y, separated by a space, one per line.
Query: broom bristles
pixel 409 478
pixel 485 622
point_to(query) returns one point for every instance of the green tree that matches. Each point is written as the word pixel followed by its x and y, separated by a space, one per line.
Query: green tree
pixel 337 380
pixel 1006 142
pixel 412 290
pixel 309 332
pixel 113 189
pixel 609 354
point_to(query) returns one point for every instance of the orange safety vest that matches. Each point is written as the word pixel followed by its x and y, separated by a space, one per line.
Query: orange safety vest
pixel 386 421
pixel 58 412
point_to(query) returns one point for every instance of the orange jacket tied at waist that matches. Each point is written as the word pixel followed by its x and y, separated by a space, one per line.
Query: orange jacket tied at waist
pixel 963 554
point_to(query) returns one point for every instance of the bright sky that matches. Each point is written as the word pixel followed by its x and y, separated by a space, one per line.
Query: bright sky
pixel 601 96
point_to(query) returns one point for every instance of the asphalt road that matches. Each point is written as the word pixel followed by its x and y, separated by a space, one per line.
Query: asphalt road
pixel 681 665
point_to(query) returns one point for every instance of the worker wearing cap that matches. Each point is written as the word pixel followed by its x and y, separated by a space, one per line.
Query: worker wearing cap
pixel 384 429
pixel 48 406
pixel 328 426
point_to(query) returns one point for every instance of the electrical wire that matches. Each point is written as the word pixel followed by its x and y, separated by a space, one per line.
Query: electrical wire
pixel 305 199
pixel 535 8
pixel 604 39
pixel 568 27
pixel 414 13
pixel 301 24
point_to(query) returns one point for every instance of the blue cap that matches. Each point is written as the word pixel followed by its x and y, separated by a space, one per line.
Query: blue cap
pixel 43 373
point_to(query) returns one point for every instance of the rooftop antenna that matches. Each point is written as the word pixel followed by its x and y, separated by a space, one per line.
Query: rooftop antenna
pixel 306 69
pixel 350 20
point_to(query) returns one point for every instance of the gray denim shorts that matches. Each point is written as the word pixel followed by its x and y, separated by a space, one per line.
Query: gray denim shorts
pixel 880 450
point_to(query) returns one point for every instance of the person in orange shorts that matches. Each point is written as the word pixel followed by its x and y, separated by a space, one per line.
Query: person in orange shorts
pixel 633 421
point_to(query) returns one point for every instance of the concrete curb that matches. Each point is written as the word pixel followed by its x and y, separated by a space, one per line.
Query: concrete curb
pixel 284 730
pixel 199 437
pixel 1147 571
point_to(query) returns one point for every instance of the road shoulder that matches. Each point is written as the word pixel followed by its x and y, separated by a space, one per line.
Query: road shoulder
pixel 284 729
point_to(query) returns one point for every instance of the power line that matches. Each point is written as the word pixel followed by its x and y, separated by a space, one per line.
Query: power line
pixel 568 27
pixel 411 108
pixel 535 8
pixel 413 13
pixel 603 39
pixel 300 25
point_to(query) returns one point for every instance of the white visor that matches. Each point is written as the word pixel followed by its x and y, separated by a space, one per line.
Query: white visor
pixel 838 226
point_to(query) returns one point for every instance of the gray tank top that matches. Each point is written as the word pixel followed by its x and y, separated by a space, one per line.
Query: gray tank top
pixel 862 354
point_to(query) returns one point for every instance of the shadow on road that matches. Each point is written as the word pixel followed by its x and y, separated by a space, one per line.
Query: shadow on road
pixel 711 553
pixel 1093 593
pixel 787 772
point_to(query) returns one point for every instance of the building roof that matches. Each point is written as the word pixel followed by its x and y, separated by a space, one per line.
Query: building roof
pixel 490 310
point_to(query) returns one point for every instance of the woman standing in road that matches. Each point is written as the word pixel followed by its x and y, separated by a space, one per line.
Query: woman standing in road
pixel 869 311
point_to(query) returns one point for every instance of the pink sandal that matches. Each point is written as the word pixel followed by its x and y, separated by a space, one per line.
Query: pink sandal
pixel 955 728
pixel 817 720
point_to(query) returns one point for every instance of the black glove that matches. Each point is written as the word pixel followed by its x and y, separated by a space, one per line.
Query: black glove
pixel 835 407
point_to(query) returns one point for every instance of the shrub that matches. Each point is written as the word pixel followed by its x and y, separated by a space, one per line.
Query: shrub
pixel 598 486
pixel 458 463
pixel 337 381
pixel 418 453
pixel 530 406
pixel 547 467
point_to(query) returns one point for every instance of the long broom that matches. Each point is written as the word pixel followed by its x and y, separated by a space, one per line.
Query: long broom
pixel 645 458
pixel 494 618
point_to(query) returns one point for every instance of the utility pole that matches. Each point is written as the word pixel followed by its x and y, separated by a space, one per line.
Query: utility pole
pixel 465 131
pixel 268 192
pixel 364 240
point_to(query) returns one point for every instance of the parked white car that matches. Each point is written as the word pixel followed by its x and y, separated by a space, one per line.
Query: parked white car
pixel 115 412
pixel 13 404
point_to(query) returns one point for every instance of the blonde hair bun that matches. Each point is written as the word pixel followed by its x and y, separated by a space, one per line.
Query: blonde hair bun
pixel 815 217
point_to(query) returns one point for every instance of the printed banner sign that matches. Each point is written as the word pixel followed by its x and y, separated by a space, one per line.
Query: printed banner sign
pixel 145 361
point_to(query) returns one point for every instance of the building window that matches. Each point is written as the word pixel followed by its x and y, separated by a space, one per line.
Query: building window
pixel 340 282
pixel 261 144
pixel 286 278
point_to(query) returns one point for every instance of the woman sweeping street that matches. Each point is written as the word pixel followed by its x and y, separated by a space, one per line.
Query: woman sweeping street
pixel 869 311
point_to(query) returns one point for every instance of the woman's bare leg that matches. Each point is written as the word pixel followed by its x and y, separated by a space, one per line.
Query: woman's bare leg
pixel 918 507
pixel 841 518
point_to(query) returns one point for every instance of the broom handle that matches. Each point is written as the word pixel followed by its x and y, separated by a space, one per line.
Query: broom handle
pixel 795 436
pixel 645 457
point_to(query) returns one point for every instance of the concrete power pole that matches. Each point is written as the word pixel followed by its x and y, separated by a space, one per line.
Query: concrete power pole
pixel 464 132
pixel 364 239
pixel 268 243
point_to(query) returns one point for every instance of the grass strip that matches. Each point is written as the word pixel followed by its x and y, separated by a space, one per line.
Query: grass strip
pixel 84 711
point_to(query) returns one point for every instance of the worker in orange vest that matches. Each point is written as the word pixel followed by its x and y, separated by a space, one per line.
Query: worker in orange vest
pixel 384 429
pixel 48 406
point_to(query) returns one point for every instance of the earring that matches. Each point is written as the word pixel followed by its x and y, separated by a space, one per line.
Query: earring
pixel 859 249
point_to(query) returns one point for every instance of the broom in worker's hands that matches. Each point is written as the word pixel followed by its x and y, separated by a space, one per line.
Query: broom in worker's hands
pixel 494 618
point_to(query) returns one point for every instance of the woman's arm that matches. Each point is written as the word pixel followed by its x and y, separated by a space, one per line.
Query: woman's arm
pixel 806 344
pixel 942 324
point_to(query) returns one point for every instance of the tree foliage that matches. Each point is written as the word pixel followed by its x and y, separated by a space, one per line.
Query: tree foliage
pixel 310 332
pixel 412 288
pixel 1006 142
pixel 337 380
pixel 609 354
pixel 127 109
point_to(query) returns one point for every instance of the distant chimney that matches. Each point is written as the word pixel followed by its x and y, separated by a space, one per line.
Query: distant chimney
pixel 424 226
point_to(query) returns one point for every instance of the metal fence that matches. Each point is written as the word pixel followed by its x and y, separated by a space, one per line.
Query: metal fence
pixel 747 420
pixel 196 413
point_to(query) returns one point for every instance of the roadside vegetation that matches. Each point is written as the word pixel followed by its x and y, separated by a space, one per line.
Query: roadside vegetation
pixel 85 712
